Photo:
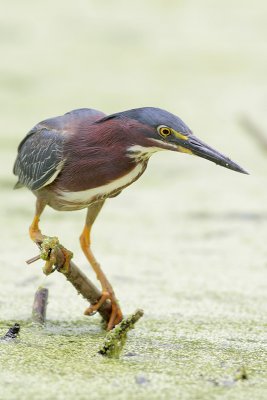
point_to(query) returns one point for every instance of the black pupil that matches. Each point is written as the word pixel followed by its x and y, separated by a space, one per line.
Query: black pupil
pixel 165 131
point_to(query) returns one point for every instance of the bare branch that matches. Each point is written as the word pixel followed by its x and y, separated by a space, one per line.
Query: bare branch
pixel 33 259
pixel 39 305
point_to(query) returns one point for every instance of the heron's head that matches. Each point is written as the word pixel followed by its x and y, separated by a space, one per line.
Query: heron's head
pixel 163 130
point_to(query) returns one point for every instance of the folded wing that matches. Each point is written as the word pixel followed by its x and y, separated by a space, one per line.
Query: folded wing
pixel 41 153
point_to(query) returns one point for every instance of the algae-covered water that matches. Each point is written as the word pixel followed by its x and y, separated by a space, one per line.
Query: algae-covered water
pixel 186 243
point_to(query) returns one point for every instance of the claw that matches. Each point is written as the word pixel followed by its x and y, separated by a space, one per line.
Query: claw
pixel 91 314
pixel 94 307
pixel 116 314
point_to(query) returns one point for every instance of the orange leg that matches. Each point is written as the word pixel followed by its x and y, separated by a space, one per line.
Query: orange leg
pixel 107 290
pixel 37 236
pixel 34 230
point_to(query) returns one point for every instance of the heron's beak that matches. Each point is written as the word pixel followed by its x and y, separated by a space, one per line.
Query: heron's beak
pixel 192 145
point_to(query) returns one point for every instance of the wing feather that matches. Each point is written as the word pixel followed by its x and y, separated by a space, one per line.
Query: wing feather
pixel 41 153
pixel 40 158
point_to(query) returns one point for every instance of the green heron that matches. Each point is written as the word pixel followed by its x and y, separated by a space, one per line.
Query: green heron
pixel 80 159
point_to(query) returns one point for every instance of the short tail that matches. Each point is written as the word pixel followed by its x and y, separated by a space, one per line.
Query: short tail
pixel 18 185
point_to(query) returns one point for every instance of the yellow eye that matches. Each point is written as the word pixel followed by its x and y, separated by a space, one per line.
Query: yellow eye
pixel 164 131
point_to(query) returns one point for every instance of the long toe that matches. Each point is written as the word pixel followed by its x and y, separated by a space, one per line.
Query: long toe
pixel 115 317
pixel 95 307
pixel 116 314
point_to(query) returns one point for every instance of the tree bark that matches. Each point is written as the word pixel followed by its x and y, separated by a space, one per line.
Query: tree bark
pixel 39 305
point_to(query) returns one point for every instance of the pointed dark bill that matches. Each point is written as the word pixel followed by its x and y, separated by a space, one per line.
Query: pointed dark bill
pixel 201 149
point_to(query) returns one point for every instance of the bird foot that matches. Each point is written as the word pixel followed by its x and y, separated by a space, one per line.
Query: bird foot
pixel 65 269
pixel 116 314
pixel 55 255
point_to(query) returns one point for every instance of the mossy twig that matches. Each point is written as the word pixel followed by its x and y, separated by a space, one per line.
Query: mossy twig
pixel 58 258
pixel 116 338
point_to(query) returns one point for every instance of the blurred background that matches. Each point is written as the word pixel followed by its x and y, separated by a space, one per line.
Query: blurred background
pixel 186 242
pixel 187 226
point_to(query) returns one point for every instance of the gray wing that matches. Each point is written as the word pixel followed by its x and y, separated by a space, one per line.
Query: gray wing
pixel 40 158
pixel 40 154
